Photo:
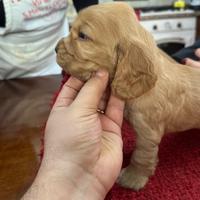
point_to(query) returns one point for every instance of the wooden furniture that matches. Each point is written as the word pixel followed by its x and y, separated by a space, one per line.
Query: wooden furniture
pixel 24 109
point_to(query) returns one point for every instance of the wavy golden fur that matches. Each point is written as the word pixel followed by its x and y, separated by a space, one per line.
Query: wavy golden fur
pixel 161 95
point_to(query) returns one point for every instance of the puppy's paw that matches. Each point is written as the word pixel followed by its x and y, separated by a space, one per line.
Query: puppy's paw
pixel 129 178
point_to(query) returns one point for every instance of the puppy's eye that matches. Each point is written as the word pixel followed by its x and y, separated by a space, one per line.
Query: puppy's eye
pixel 83 36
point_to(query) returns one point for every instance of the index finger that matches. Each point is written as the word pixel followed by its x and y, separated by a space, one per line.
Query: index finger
pixel 68 92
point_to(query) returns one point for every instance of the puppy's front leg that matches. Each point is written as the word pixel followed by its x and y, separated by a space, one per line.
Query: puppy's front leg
pixel 143 160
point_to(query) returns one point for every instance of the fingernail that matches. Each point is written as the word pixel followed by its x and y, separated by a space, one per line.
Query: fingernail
pixel 101 73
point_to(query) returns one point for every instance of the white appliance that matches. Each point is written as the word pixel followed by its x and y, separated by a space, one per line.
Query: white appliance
pixel 171 33
pixel 194 2
pixel 148 3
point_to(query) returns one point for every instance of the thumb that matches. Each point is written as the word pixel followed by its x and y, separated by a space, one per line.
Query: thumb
pixel 92 91
pixel 192 63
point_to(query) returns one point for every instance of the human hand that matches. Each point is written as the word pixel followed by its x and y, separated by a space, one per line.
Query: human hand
pixel 193 63
pixel 82 147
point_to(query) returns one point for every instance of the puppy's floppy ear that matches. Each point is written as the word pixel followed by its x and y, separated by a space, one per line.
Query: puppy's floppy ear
pixel 135 71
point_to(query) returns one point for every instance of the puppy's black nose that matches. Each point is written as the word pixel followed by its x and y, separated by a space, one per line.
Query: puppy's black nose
pixel 56 49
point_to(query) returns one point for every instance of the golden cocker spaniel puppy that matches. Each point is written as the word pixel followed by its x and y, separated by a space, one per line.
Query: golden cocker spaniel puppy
pixel 161 95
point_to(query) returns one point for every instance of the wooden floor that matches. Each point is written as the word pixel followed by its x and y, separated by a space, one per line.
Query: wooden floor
pixel 24 108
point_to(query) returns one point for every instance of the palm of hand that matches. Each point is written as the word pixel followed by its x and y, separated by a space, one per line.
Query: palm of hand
pixel 109 162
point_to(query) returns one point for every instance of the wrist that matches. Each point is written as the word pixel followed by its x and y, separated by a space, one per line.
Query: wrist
pixel 66 181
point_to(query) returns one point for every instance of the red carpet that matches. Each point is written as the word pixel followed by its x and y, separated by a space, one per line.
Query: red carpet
pixel 177 176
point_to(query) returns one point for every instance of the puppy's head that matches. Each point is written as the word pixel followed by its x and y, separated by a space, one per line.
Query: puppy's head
pixel 108 36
